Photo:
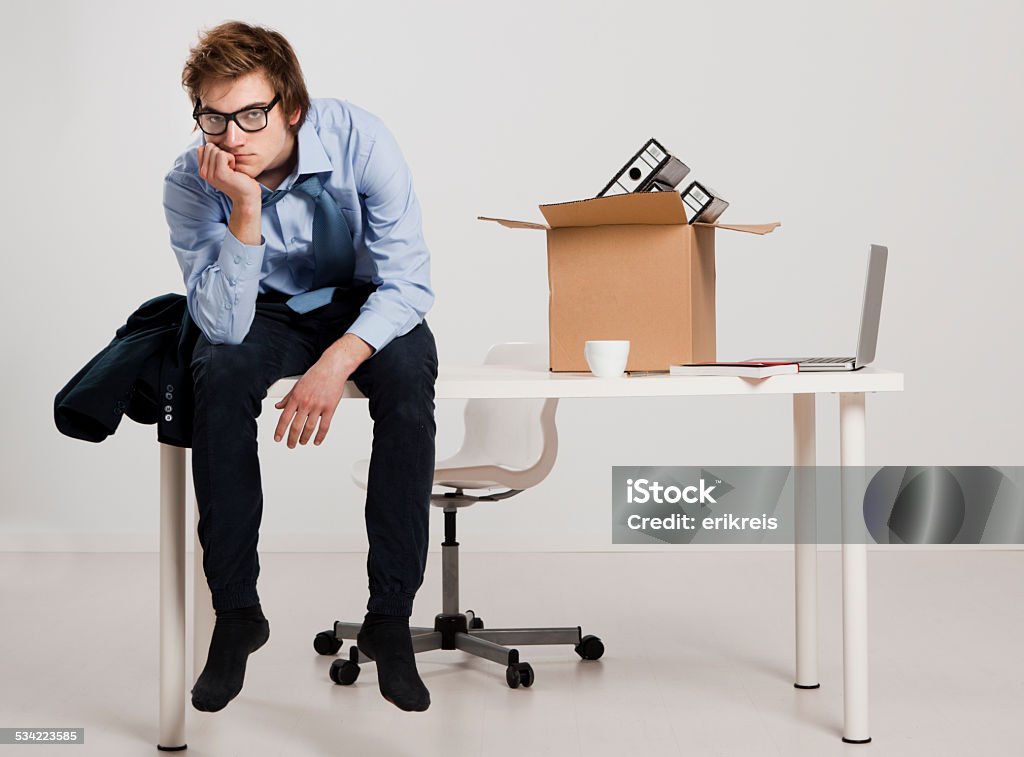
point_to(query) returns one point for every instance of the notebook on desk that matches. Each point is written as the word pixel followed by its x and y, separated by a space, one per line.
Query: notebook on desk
pixel 868 337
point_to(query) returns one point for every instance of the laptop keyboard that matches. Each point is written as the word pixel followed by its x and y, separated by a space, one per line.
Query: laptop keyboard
pixel 827 360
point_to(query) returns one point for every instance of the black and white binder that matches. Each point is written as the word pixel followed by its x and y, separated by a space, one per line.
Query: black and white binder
pixel 652 169
pixel 702 204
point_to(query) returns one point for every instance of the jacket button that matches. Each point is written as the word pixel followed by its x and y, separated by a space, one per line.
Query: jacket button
pixel 167 408
pixel 168 396
pixel 170 387
pixel 168 417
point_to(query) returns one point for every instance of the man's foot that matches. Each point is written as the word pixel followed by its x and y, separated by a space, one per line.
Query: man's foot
pixel 236 635
pixel 385 639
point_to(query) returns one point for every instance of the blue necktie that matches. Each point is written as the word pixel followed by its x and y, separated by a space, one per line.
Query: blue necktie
pixel 333 253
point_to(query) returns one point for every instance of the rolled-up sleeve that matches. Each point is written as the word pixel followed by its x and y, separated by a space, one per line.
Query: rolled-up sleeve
pixel 394 238
pixel 222 275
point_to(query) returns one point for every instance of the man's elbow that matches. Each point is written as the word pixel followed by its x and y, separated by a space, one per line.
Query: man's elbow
pixel 217 333
pixel 224 338
pixel 234 334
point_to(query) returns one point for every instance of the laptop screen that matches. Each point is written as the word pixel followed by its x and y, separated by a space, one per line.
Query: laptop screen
pixel 868 338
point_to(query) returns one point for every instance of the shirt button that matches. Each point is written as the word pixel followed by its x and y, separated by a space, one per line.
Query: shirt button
pixel 227 306
pixel 232 282
pixel 167 408
pixel 238 258
pixel 168 417
pixel 168 396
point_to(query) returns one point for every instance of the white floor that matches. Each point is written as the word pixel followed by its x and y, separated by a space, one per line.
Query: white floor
pixel 699 658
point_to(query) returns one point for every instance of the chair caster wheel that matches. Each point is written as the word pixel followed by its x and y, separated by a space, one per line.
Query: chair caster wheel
pixel 344 672
pixel 590 648
pixel 519 674
pixel 326 643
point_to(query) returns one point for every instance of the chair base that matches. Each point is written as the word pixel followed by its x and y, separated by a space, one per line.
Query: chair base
pixel 465 631
pixel 456 630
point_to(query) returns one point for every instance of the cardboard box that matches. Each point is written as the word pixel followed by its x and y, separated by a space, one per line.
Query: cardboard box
pixel 630 267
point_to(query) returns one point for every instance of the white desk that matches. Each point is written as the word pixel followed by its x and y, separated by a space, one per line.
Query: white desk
pixel 503 382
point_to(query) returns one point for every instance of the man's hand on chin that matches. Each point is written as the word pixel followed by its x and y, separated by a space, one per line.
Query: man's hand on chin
pixel 311 403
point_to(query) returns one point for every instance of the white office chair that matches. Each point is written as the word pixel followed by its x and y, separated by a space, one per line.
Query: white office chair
pixel 509 446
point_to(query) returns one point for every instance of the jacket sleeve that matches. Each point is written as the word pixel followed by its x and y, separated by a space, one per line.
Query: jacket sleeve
pixel 394 239
pixel 221 274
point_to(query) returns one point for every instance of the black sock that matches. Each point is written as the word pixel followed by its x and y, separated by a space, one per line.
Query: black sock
pixel 236 635
pixel 385 639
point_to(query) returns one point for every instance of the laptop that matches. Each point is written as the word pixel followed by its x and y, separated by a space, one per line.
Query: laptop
pixel 868 338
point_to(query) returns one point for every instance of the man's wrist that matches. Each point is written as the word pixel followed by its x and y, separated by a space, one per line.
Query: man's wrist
pixel 249 206
pixel 350 351
pixel 245 221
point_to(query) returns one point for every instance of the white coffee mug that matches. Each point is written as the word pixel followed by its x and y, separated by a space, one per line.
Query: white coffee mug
pixel 607 357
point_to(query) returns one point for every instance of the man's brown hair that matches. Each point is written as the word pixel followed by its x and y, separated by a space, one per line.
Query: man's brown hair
pixel 234 49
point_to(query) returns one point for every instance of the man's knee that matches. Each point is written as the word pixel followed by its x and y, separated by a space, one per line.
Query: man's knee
pixel 409 358
pixel 400 379
pixel 234 368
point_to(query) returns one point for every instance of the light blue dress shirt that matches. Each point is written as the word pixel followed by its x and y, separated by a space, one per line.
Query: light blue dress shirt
pixel 362 167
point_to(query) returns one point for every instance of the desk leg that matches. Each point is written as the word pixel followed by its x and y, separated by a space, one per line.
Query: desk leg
pixel 855 571
pixel 203 617
pixel 172 598
pixel 805 546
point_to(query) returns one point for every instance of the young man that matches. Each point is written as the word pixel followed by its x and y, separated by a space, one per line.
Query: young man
pixel 299 237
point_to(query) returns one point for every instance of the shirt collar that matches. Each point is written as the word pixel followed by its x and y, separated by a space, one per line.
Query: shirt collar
pixel 312 156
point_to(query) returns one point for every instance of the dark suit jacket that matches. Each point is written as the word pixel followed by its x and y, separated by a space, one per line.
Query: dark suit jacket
pixel 144 373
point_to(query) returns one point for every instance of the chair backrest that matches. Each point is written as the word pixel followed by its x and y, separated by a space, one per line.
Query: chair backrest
pixel 515 433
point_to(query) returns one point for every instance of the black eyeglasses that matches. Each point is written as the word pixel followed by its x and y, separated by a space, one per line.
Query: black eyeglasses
pixel 248 119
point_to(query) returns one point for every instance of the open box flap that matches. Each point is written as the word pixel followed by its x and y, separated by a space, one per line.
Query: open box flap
pixel 642 208
pixel 647 208
pixel 514 224
pixel 749 228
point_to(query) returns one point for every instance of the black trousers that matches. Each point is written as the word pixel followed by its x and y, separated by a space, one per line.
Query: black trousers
pixel 231 382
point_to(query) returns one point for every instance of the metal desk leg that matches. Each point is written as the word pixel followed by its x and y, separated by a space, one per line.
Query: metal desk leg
pixel 805 546
pixel 172 598
pixel 855 571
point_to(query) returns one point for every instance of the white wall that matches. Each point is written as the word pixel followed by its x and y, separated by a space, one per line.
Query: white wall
pixel 851 123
